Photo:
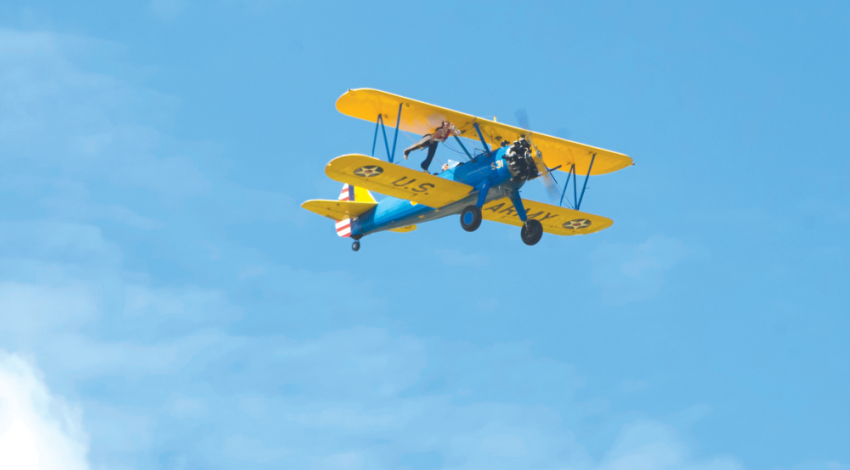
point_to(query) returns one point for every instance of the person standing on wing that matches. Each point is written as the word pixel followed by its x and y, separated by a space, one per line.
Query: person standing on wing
pixel 440 134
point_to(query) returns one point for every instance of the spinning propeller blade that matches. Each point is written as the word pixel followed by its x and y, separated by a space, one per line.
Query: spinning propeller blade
pixel 522 118
pixel 545 173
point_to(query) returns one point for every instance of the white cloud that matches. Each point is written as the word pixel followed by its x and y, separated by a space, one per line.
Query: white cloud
pixel 633 272
pixel 38 431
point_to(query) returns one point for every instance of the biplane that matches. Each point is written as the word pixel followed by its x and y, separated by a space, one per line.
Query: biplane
pixel 484 187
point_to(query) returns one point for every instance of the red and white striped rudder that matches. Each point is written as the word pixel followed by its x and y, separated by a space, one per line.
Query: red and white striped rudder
pixel 343 227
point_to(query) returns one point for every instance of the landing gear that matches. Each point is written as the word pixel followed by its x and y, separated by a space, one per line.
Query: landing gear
pixel 470 218
pixel 531 232
pixel 356 245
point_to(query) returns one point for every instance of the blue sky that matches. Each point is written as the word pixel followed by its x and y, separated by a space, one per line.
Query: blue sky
pixel 165 302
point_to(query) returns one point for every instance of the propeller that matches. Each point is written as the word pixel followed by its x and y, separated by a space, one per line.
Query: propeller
pixel 545 172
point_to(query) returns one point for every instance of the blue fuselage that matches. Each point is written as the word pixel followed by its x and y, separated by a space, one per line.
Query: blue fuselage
pixel 486 170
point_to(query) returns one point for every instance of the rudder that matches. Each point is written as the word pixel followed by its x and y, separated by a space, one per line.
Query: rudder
pixel 351 193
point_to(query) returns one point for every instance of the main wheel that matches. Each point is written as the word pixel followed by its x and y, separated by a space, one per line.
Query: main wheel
pixel 532 231
pixel 470 218
pixel 356 245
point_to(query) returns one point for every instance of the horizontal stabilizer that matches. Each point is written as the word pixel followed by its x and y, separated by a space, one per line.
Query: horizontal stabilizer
pixel 338 210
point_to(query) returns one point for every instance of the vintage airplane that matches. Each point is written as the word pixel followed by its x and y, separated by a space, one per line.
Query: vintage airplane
pixel 487 186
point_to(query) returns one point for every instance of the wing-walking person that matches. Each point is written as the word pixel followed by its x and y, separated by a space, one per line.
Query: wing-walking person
pixel 431 141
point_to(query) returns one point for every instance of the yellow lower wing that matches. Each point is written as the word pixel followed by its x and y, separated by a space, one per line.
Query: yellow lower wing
pixel 397 181
pixel 555 220
pixel 338 210
pixel 405 229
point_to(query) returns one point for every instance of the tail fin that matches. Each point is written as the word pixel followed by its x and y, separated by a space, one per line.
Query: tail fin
pixel 351 193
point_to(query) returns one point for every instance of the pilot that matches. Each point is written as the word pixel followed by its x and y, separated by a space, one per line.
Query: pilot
pixel 431 141
pixel 450 164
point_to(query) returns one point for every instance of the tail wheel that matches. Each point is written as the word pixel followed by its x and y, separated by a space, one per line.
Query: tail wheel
pixel 532 231
pixel 470 218
pixel 356 245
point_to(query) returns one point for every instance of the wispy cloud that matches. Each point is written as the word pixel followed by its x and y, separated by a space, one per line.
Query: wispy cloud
pixel 318 400
pixel 633 272
pixel 86 124
pixel 651 445
pixel 315 400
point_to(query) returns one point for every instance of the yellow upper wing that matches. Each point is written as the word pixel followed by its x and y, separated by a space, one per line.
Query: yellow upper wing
pixel 423 118
pixel 338 210
pixel 397 181
pixel 555 220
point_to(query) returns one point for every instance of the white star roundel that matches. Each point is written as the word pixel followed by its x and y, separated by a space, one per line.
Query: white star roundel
pixel 577 224
pixel 367 171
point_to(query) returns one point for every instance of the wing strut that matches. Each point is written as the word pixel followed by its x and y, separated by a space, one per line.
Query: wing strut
pixel 578 204
pixel 380 123
pixel 576 198
pixel 481 136
pixel 564 192
pixel 464 148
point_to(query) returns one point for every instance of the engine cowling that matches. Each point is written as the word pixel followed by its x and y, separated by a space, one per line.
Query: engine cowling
pixel 520 161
